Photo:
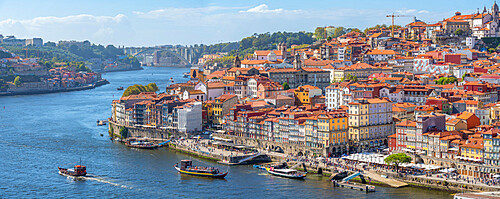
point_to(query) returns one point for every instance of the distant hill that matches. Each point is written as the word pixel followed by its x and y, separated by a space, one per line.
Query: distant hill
pixel 71 53
pixel 264 41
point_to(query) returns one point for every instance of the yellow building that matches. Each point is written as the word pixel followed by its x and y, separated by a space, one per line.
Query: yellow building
pixel 455 125
pixel 221 107
pixel 311 132
pixel 370 122
pixel 208 108
pixel 358 121
pixel 473 149
pixel 495 113
pixel 304 94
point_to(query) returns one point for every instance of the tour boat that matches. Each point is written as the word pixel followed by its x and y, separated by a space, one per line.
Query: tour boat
pixel 141 144
pixel 287 173
pixel 78 170
pixel 119 88
pixel 188 168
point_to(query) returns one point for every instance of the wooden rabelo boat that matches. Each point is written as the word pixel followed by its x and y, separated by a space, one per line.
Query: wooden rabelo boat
pixel 188 168
pixel 78 170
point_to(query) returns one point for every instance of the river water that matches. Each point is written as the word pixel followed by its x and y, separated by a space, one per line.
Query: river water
pixel 41 132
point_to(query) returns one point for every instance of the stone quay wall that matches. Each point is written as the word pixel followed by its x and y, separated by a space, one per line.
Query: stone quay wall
pixel 441 184
pixel 133 131
pixel 288 148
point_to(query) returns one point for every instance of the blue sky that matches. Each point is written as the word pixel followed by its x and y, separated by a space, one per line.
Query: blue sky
pixel 157 22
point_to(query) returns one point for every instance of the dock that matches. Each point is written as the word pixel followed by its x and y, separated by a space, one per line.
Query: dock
pixel 361 187
pixel 389 181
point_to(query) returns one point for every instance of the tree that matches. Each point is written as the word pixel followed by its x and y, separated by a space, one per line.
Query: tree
pixel 378 26
pixel 446 80
pixel 123 132
pixel 319 33
pixel 151 87
pixel 17 81
pixel 459 31
pixel 286 86
pixel 339 31
pixel 355 30
pixel 51 44
pixel 137 89
pixel 397 159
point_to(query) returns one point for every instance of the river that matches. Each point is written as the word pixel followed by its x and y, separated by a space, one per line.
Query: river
pixel 41 132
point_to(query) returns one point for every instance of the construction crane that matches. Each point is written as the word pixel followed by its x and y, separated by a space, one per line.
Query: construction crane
pixel 392 16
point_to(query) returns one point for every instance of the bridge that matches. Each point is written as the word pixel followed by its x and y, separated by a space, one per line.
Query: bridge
pixel 168 55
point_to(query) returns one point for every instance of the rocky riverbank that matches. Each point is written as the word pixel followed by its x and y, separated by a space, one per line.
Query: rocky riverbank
pixel 45 91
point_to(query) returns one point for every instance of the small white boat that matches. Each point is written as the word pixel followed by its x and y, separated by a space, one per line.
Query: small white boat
pixel 287 173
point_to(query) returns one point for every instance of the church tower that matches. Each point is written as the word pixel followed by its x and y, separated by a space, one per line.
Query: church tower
pixel 494 12
pixel 283 51
pixel 237 62
pixel 297 62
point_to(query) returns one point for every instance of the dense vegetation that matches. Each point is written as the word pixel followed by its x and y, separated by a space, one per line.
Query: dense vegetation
pixel 264 41
pixel 319 32
pixel 446 80
pixel 381 26
pixel 5 54
pixel 72 53
pixel 136 89
pixel 225 61
pixel 286 86
pixel 93 51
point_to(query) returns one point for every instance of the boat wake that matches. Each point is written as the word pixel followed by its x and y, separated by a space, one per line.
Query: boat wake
pixel 95 178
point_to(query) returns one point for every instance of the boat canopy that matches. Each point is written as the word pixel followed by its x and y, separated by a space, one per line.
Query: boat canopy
pixel 222 139
pixel 285 170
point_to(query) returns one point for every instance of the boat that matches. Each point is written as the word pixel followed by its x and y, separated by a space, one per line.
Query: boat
pixel 188 168
pixel 119 88
pixel 78 170
pixel 283 170
pixel 287 173
pixel 102 122
pixel 259 167
pixel 186 74
pixel 141 144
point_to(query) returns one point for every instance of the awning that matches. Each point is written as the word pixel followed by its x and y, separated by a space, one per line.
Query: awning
pixel 222 139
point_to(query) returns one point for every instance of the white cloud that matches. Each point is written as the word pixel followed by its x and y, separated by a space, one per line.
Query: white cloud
pixel 263 8
pixel 79 27
pixel 412 11
pixel 181 13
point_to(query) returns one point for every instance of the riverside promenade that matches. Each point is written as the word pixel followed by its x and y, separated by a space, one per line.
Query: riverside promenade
pixel 202 149
pixel 396 180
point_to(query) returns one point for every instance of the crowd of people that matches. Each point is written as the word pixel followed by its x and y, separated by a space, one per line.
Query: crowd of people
pixel 338 165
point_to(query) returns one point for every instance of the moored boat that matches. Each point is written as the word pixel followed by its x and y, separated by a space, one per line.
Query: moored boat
pixel 141 144
pixel 119 88
pixel 287 173
pixel 78 170
pixel 188 168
